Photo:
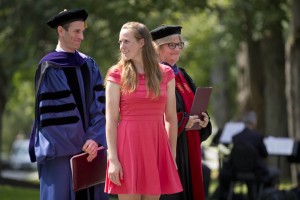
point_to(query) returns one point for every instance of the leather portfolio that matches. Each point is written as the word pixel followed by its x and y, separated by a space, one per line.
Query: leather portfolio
pixel 200 104
pixel 86 174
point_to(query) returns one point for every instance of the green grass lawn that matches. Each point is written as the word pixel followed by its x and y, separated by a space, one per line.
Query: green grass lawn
pixel 15 193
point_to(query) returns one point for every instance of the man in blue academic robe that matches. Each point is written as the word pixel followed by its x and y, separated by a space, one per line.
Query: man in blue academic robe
pixel 70 111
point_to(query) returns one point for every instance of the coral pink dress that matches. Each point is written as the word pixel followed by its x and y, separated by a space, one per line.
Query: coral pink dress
pixel 143 146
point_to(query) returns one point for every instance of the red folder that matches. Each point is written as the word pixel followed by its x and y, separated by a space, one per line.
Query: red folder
pixel 86 174
pixel 200 104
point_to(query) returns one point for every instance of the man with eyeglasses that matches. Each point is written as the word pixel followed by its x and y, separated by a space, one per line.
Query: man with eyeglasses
pixel 169 43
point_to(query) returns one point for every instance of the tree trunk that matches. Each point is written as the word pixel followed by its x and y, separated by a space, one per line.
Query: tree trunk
pixel 293 77
pixel 251 73
pixel 222 111
pixel 243 82
pixel 275 98
pixel 251 80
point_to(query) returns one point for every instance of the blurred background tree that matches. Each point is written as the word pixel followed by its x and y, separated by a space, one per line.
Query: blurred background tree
pixel 248 50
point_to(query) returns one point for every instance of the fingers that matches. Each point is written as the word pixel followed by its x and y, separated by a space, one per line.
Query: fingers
pixel 115 178
pixel 194 117
pixel 115 172
pixel 203 123
pixel 91 157
pixel 205 116
pixel 90 147
pixel 192 120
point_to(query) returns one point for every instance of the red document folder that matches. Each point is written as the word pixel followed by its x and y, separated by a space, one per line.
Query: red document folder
pixel 200 104
pixel 86 174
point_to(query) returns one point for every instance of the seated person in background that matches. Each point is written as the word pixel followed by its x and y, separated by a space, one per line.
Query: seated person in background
pixel 249 136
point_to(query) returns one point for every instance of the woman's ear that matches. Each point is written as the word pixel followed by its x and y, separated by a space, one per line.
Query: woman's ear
pixel 142 42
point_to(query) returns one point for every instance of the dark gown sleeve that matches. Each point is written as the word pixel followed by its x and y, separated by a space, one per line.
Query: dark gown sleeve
pixel 205 132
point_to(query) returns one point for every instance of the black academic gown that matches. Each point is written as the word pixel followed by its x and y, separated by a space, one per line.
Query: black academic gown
pixel 182 152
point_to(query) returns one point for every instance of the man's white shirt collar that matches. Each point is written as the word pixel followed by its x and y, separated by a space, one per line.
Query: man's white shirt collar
pixel 59 49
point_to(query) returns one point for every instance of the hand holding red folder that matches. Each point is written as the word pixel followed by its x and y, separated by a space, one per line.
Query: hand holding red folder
pixel 90 147
pixel 200 104
pixel 86 174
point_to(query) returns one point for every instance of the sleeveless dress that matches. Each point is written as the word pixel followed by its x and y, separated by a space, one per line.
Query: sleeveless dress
pixel 143 146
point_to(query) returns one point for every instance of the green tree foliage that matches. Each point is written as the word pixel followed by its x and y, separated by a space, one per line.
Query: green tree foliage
pixel 214 30
pixel 25 39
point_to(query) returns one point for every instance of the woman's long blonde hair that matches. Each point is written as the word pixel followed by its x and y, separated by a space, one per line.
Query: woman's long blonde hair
pixel 129 73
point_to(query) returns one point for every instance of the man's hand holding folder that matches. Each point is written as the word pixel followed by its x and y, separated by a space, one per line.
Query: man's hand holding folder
pixel 88 173
pixel 90 147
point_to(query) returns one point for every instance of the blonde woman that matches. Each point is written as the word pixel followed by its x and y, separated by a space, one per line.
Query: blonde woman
pixel 169 44
pixel 141 122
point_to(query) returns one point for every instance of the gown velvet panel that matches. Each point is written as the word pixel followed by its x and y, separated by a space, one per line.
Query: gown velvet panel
pixel 143 146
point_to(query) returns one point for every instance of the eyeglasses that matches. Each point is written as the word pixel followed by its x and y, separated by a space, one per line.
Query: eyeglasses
pixel 180 45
